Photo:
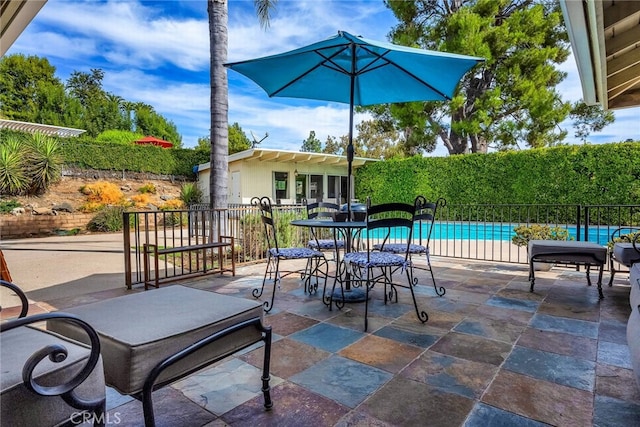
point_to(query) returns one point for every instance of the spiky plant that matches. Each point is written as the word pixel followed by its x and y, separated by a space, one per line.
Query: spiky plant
pixel 13 175
pixel 190 193
pixel 45 162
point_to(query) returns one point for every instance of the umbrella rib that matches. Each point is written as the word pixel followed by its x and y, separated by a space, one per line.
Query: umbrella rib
pixel 409 73
pixel 310 70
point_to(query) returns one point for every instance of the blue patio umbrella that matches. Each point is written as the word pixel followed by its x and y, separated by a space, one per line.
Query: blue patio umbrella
pixel 358 71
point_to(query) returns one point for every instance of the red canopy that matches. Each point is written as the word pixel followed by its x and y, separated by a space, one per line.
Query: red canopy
pixel 154 141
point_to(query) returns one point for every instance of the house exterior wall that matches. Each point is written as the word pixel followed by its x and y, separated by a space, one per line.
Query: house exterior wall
pixel 257 178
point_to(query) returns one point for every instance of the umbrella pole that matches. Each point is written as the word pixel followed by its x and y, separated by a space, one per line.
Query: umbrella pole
pixel 350 149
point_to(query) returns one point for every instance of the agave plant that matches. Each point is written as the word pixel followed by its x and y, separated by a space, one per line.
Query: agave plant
pixel 45 162
pixel 190 193
pixel 13 162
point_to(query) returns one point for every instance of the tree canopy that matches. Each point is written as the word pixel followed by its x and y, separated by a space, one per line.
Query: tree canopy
pixel 509 101
pixel 30 92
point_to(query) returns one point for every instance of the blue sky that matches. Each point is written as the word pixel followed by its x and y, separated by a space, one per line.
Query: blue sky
pixel 157 52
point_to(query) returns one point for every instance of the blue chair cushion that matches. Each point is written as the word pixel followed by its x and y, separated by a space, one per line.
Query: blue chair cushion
pixel 326 244
pixel 295 253
pixel 400 248
pixel 375 259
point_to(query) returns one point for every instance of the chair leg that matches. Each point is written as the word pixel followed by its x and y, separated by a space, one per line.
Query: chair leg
pixel 328 299
pixel 613 271
pixel 307 274
pixel 257 293
pixel 366 300
pixel 422 315
pixel 441 290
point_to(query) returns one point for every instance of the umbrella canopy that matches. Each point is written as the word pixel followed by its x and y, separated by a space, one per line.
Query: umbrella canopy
pixel 152 140
pixel 358 71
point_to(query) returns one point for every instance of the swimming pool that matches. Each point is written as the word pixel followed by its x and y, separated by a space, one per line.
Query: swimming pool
pixel 499 231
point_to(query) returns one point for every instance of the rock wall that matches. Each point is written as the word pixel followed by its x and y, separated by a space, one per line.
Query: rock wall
pixel 14 227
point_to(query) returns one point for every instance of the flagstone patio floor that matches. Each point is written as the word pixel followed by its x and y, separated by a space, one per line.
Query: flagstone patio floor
pixel 491 354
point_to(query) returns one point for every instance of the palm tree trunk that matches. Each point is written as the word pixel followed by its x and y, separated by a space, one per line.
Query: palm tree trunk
pixel 218 41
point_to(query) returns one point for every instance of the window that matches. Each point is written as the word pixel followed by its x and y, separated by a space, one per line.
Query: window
pixel 337 187
pixel 316 190
pixel 280 187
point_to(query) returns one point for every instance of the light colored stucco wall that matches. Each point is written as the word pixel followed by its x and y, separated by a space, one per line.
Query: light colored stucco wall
pixel 256 178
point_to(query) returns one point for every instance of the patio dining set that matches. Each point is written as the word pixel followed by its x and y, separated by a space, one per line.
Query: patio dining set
pixel 368 247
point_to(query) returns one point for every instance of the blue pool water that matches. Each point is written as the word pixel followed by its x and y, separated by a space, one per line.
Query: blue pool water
pixel 500 231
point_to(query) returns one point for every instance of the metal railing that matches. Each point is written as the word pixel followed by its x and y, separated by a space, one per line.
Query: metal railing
pixel 478 232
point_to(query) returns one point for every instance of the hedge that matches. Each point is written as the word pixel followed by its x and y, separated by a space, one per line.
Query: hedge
pixel 84 153
pixel 606 174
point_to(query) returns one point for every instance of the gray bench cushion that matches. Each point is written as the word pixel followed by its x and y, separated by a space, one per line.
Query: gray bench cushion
pixel 567 251
pixel 21 407
pixel 140 330
pixel 625 254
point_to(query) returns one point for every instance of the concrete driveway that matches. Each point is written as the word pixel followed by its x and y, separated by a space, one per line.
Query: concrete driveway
pixel 64 266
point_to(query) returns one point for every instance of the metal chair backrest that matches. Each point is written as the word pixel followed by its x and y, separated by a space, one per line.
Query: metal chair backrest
pixel 268 221
pixel 319 210
pixel 394 220
pixel 425 215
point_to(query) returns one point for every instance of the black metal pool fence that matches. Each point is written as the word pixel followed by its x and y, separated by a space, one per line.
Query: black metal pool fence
pixel 476 232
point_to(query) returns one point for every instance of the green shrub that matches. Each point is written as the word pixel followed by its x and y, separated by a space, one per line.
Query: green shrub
pixel 524 233
pixel 174 219
pixel 190 193
pixel 45 162
pixel 108 219
pixel 7 206
pixel 116 136
pixel 147 188
pixel 13 162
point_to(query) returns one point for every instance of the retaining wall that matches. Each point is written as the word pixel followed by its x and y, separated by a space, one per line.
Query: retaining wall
pixel 14 227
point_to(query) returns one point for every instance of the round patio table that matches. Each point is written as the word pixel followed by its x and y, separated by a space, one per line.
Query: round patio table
pixel 346 228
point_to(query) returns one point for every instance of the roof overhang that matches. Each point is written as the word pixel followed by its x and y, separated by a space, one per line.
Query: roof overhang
pixel 15 15
pixel 269 155
pixel 605 38
pixel 39 128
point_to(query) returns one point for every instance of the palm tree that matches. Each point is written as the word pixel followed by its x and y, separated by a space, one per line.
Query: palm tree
pixel 218 41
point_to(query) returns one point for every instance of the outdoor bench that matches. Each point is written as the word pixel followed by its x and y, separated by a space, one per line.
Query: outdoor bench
pixel 150 249
pixel 567 252
pixel 152 339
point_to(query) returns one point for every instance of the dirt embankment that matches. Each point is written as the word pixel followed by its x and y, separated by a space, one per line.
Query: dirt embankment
pixel 67 191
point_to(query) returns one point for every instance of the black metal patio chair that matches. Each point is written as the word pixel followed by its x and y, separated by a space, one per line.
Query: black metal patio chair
pixel 424 219
pixel 372 267
pixel 318 241
pixel 316 265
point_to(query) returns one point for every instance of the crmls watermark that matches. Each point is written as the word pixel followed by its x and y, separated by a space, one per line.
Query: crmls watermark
pixel 86 417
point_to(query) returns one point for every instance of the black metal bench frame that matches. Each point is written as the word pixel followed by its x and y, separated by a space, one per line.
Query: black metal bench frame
pixel 612 259
pixel 58 353
pixel 566 258
pixel 150 249
pixel 150 383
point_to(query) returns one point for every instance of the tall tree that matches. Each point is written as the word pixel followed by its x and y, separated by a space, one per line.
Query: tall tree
pixel 25 81
pixel 238 141
pixel 218 42
pixel 311 144
pixel 511 99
